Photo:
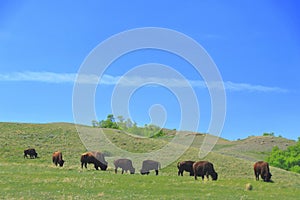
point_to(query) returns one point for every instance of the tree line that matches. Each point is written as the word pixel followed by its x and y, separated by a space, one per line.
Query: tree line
pixel 148 130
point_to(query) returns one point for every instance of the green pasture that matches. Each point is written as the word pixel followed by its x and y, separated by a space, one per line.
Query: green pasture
pixel 40 179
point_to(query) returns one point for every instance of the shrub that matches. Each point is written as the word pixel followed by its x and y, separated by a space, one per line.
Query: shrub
pixel 288 159
pixel 268 134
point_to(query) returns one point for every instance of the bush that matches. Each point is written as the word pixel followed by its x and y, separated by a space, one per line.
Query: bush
pixel 268 134
pixel 159 134
pixel 109 122
pixel 295 168
pixel 288 159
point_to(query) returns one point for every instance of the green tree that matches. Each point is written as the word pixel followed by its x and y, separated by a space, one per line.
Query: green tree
pixel 288 159
pixel 109 122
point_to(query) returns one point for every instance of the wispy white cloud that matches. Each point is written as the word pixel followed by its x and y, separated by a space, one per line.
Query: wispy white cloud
pixel 252 88
pixel 50 77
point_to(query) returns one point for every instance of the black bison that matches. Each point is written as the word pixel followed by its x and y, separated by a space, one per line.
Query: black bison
pixel 57 158
pixel 204 168
pixel 185 166
pixel 31 152
pixel 262 168
pixel 125 165
pixel 150 165
pixel 97 158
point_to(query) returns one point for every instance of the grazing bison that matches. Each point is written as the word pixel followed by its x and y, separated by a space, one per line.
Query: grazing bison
pixel 185 166
pixel 125 165
pixel 204 168
pixel 31 152
pixel 97 158
pixel 262 168
pixel 57 158
pixel 150 165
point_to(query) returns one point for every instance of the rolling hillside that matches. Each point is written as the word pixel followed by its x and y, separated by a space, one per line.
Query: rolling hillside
pixel 39 178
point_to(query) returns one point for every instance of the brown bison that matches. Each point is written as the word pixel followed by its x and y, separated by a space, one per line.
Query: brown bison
pixel 185 166
pixel 97 158
pixel 204 168
pixel 57 158
pixel 262 168
pixel 31 152
pixel 150 165
pixel 125 165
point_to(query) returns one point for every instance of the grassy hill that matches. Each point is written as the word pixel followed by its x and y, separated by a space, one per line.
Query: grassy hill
pixel 40 179
pixel 255 147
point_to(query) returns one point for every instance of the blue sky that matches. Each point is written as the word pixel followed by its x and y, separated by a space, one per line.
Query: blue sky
pixel 255 45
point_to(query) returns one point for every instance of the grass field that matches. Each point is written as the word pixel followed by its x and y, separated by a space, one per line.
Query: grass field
pixel 40 179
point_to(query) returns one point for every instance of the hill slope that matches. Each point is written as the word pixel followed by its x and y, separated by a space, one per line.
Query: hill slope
pixel 39 178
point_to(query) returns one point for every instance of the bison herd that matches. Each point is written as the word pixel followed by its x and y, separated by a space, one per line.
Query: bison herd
pixel 199 168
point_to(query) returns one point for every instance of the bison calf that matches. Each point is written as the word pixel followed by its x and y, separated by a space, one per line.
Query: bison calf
pixel 31 152
pixel 150 165
pixel 96 158
pixel 125 165
pixel 204 168
pixel 57 158
pixel 262 168
pixel 185 166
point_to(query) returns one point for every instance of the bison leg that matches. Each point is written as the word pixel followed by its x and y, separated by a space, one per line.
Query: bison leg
pixel 116 170
pixel 96 167
pixel 256 176
pixel 85 165
pixel 122 171
pixel 195 176
pixel 156 172
pixel 180 172
pixel 202 177
pixel 256 173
